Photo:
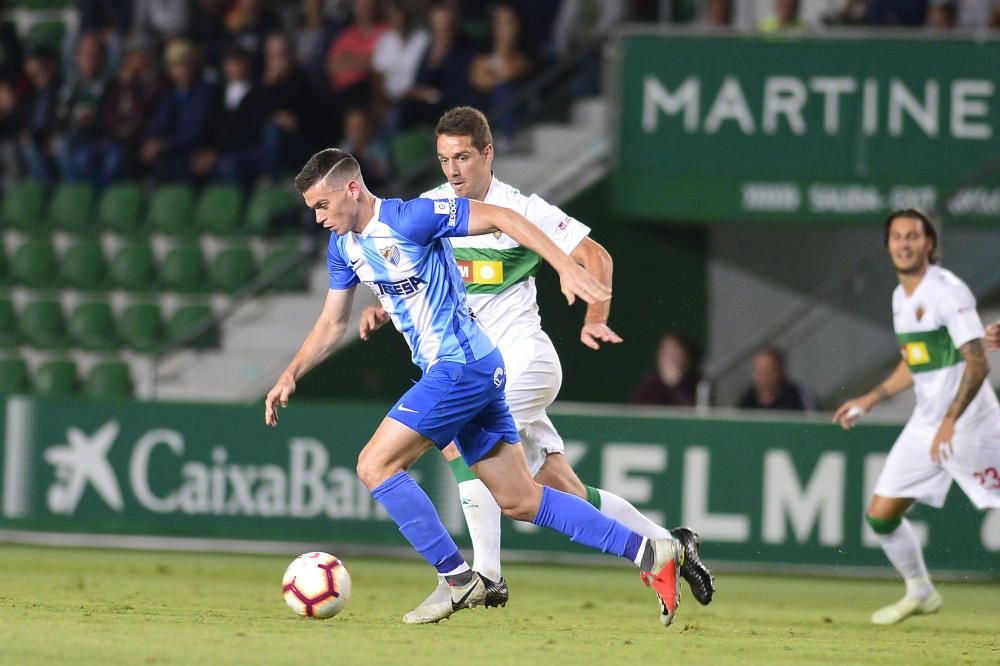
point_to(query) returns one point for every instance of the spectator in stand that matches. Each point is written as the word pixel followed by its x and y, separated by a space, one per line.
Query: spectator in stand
pixel 770 387
pixel 398 53
pixel 909 13
pixel 78 138
pixel 500 73
pixel 995 15
pixel 314 30
pixel 208 31
pixel 233 150
pixel 942 15
pixel 349 60
pixel 247 24
pixel 675 380
pixel 786 17
pixel 37 119
pixel 126 110
pixel 719 13
pixel 291 126
pixel 183 118
pixel 11 53
pixel 540 17
pixel 161 20
pixel 10 168
pixel 361 141
pixel 579 25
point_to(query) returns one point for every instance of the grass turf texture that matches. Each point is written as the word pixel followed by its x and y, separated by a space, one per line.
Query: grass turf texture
pixel 73 606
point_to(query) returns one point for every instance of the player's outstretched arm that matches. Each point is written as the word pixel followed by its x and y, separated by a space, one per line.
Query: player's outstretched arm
pixel 597 261
pixel 899 380
pixel 318 345
pixel 993 336
pixel 485 219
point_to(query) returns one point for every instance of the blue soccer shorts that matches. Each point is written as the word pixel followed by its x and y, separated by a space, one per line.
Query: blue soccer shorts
pixel 462 403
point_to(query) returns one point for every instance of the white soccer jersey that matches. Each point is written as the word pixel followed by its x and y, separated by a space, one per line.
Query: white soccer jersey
pixel 931 324
pixel 498 272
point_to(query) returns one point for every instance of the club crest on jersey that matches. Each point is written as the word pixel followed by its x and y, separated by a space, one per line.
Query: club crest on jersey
pixel 920 312
pixel 497 234
pixel 498 377
pixel 390 254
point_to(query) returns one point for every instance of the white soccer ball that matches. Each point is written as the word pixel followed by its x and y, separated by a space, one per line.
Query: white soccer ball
pixel 316 585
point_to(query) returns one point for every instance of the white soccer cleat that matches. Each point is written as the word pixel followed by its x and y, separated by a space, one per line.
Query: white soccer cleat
pixel 661 570
pixel 906 607
pixel 447 599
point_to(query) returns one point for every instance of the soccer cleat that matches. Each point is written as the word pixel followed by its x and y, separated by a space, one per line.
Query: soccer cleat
pixel 497 593
pixel 697 575
pixel 661 570
pixel 906 607
pixel 447 599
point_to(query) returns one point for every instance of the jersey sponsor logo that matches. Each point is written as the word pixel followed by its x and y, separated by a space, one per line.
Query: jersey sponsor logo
pixel 563 224
pixel 390 254
pixel 440 207
pixel 915 353
pixel 481 272
pixel 406 287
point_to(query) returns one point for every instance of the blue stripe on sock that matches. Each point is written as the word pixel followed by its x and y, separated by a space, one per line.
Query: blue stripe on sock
pixel 583 523
pixel 413 511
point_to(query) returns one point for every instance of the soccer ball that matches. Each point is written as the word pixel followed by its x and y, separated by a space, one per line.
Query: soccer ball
pixel 316 585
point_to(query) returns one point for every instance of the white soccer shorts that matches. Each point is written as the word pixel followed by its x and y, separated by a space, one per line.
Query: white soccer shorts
pixel 534 376
pixel 974 465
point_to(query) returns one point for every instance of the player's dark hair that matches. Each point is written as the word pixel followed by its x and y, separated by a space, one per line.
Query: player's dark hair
pixel 925 221
pixel 327 163
pixel 466 121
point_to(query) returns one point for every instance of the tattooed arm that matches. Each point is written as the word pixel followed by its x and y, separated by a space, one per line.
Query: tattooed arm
pixel 976 370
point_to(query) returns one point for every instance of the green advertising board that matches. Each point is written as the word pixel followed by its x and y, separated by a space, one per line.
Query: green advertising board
pixel 762 493
pixel 839 128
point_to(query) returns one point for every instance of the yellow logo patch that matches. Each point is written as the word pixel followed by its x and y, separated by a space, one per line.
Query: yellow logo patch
pixel 481 272
pixel 916 353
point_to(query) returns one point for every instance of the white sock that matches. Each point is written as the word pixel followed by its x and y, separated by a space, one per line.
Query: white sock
pixel 621 510
pixel 482 515
pixel 902 548
pixel 642 550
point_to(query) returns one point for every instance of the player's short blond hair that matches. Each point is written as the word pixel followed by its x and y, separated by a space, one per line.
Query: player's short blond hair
pixel 466 121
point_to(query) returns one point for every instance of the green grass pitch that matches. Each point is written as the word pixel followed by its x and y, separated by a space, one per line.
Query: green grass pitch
pixel 76 606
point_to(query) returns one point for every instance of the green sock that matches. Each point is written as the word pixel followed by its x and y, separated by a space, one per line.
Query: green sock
pixel 593 496
pixel 461 470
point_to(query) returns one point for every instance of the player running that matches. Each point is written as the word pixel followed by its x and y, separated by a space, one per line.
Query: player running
pixel 499 278
pixel 954 432
pixel 401 252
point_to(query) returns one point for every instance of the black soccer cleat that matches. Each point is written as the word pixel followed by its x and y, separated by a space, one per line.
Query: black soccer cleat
pixel 497 593
pixel 697 575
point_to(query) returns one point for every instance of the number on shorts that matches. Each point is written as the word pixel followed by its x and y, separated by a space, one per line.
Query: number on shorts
pixel 989 478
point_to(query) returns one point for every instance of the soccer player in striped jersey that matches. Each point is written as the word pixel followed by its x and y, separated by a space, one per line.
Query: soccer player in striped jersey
pixel 401 251
pixel 499 277
pixel 954 432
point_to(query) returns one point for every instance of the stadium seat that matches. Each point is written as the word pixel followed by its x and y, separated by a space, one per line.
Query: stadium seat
pixel 171 209
pixel 56 377
pixel 108 379
pixel 92 327
pixel 34 264
pixel 141 327
pixel 72 207
pixel 14 375
pixel 82 266
pixel 232 269
pixel 8 324
pixel 294 277
pixel 268 206
pixel 218 210
pixel 22 206
pixel 42 325
pixel 49 34
pixel 185 320
pixel 133 268
pixel 183 270
pixel 119 208
pixel 412 148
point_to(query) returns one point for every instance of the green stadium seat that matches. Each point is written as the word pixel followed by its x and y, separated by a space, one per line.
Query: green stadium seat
pixel 183 270
pixel 267 206
pixel 22 206
pixel 120 207
pixel 171 209
pixel 218 210
pixel 92 327
pixel 294 276
pixel 34 264
pixel 56 377
pixel 232 269
pixel 46 33
pixel 185 320
pixel 133 268
pixel 109 379
pixel 141 327
pixel 42 325
pixel 412 148
pixel 72 207
pixel 8 324
pixel 14 375
pixel 82 266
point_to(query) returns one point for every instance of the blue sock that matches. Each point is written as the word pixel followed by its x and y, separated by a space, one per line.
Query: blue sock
pixel 412 510
pixel 583 523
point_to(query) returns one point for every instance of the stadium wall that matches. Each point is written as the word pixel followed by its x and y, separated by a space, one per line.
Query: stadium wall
pixel 763 493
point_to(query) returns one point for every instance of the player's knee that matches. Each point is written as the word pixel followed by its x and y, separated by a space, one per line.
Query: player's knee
pixel 883 525
pixel 522 507
pixel 371 472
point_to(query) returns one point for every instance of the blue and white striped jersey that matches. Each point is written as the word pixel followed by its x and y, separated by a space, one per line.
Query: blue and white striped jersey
pixel 405 257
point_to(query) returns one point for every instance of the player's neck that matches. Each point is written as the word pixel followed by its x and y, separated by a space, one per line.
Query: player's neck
pixel 911 280
pixel 366 212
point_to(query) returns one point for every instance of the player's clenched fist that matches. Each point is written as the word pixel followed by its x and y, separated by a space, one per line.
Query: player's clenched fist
pixel 278 395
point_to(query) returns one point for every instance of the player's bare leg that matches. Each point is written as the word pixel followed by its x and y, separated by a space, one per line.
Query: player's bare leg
pixel 886 515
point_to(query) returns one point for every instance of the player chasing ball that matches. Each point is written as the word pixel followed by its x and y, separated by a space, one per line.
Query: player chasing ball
pixel 400 251
pixel 499 279
pixel 954 431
